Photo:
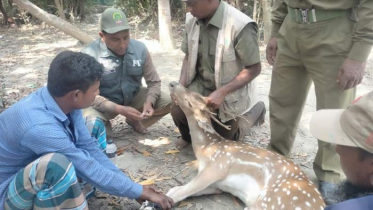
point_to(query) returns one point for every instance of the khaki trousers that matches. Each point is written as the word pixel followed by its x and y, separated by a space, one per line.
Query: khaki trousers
pixel 161 108
pixel 309 52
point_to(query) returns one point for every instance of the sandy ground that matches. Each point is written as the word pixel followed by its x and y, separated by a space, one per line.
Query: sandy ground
pixel 25 55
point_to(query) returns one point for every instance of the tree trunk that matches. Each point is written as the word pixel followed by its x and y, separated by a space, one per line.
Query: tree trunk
pixel 54 21
pixel 165 27
pixel 4 13
pixel 59 5
pixel 266 20
pixel 255 8
pixel 239 4
pixel 81 11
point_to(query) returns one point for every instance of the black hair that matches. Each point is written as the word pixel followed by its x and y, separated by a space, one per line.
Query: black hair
pixel 72 71
pixel 345 190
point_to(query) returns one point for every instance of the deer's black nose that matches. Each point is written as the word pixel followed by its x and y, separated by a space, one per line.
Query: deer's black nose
pixel 173 84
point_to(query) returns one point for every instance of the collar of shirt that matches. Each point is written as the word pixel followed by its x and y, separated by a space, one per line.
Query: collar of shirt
pixel 105 52
pixel 53 107
pixel 217 19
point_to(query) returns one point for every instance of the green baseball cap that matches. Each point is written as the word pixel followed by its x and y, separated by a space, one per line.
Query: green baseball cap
pixel 349 127
pixel 113 20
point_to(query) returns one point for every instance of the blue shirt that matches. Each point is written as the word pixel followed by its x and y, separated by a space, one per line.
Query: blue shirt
pixel 36 126
pixel 363 203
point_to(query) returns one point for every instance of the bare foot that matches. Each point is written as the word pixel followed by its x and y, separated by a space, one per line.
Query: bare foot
pixel 180 143
pixel 137 126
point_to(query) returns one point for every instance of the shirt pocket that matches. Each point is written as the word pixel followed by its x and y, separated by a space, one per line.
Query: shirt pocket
pixel 134 70
pixel 229 55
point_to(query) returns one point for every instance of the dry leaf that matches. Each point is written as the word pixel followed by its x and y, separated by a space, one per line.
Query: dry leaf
pixel 172 151
pixel 184 203
pixel 156 142
pixel 191 163
pixel 133 178
pixel 235 201
pixel 148 182
pixel 113 203
pixel 146 153
pixel 121 150
pixel 163 178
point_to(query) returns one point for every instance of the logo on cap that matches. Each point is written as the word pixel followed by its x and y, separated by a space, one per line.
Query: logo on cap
pixel 117 18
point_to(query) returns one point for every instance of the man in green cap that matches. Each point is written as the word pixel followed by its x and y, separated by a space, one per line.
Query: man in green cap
pixel 221 61
pixel 126 62
pixel 321 41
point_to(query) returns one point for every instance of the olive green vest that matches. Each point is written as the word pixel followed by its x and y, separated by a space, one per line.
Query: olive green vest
pixel 227 64
pixel 122 77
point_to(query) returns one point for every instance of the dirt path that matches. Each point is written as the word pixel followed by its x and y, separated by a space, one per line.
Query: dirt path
pixel 25 55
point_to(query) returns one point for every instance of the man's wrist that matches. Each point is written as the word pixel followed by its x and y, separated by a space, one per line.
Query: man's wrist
pixel 119 109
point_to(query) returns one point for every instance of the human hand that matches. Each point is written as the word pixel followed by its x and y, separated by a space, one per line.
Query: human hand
pixel 215 99
pixel 130 113
pixel 271 50
pixel 148 110
pixel 350 74
pixel 150 193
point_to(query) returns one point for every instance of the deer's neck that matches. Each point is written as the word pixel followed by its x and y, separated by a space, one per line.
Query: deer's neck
pixel 200 137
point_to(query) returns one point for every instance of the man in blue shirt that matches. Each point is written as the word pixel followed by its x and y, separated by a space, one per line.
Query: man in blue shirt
pixel 45 145
pixel 352 132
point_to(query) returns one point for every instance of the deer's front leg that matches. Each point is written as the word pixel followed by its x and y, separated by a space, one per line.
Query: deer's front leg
pixel 202 181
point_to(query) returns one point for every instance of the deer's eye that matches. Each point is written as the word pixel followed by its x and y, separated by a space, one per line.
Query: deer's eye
pixel 190 105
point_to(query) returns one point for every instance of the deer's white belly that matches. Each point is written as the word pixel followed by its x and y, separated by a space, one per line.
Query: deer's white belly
pixel 243 186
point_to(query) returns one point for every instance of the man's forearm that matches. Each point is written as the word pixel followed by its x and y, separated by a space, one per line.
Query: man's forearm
pixel 243 78
pixel 104 105
pixel 183 74
pixel 363 35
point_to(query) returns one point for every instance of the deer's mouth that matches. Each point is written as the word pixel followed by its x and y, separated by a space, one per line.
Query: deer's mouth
pixel 174 99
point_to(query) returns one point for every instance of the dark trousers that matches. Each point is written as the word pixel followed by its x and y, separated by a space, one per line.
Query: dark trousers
pixel 180 120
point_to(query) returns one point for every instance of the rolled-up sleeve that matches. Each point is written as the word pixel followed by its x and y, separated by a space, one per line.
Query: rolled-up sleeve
pixel 246 45
pixel 152 80
pixel 279 12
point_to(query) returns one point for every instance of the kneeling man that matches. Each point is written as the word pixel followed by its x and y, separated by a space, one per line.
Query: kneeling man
pixel 221 61
pixel 126 63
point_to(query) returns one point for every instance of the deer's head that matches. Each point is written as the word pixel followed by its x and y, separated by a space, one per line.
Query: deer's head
pixel 193 104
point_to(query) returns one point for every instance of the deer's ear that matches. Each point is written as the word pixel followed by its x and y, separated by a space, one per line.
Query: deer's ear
pixel 205 125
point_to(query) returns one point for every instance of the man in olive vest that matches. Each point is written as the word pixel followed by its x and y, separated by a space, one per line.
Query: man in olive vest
pixel 324 42
pixel 126 62
pixel 221 61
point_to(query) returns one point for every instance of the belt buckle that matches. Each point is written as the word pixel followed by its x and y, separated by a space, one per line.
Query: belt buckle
pixel 304 15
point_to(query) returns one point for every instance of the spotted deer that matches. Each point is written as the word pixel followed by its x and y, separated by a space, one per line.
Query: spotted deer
pixel 260 178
